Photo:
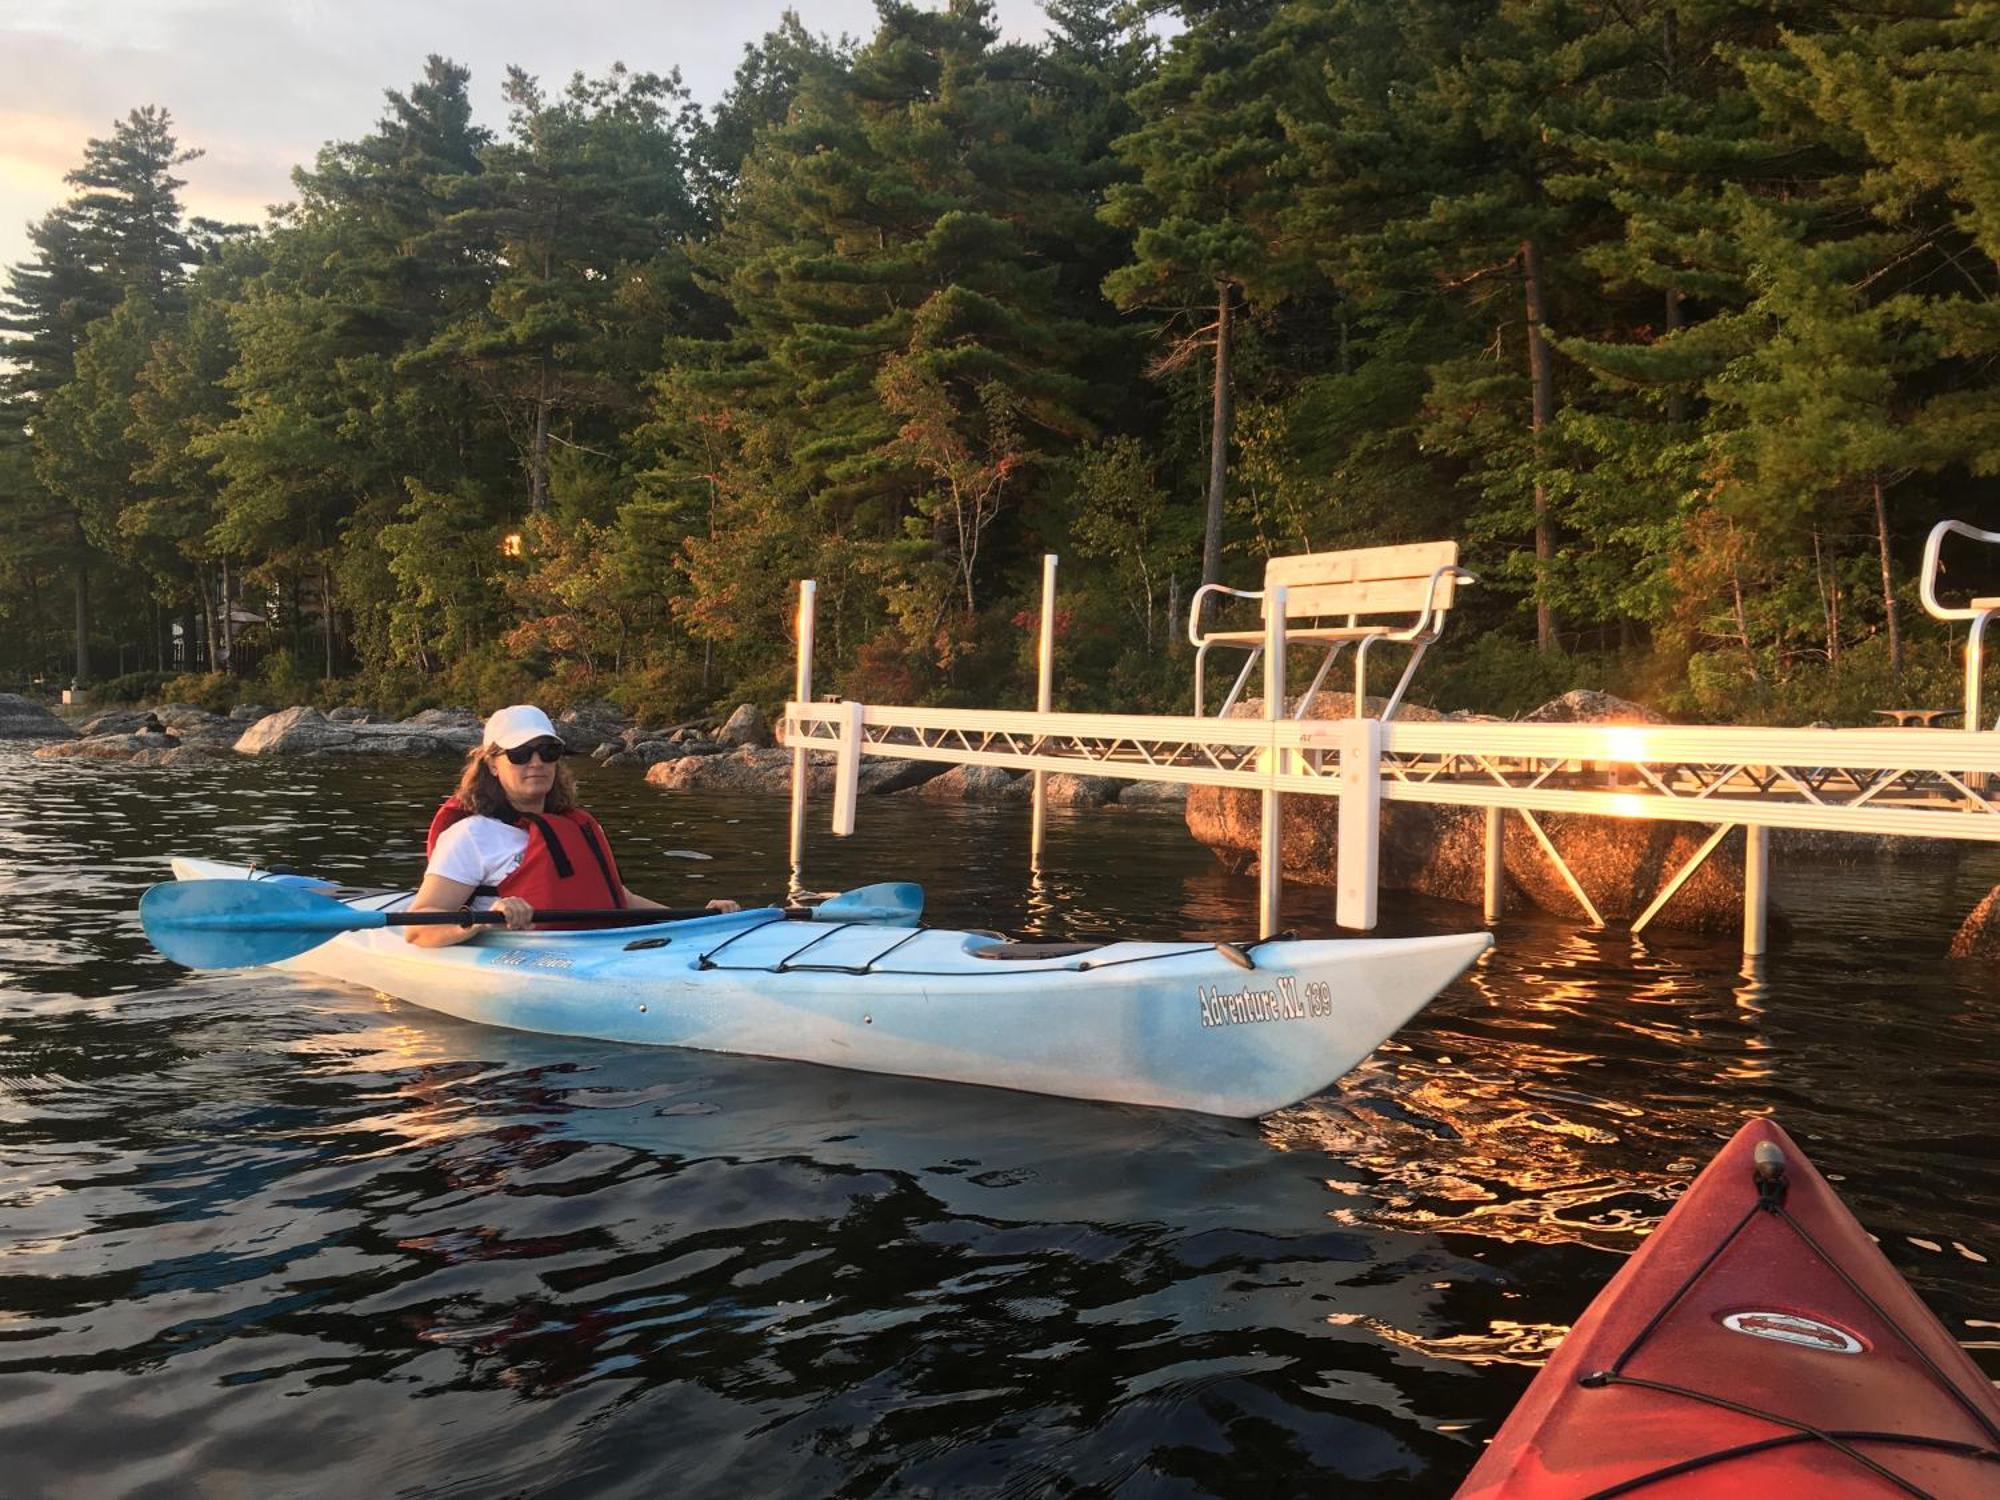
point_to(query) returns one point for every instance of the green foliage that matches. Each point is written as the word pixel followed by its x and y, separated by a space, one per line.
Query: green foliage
pixel 218 692
pixel 132 687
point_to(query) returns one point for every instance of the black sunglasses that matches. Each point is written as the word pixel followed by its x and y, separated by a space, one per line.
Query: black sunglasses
pixel 550 751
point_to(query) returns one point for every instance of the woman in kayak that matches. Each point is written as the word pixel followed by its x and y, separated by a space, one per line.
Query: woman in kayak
pixel 513 831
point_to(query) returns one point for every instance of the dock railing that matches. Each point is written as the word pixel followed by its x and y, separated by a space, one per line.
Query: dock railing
pixel 1977 611
pixel 1895 782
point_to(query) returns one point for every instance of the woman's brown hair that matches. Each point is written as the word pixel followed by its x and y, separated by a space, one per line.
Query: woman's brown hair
pixel 479 790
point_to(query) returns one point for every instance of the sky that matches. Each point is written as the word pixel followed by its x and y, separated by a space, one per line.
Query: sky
pixel 260 85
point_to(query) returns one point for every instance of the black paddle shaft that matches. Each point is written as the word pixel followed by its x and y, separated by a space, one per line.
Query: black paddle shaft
pixel 609 916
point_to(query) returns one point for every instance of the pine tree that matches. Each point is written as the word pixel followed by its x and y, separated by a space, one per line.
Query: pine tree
pixel 1208 181
pixel 119 237
pixel 583 208
pixel 328 432
pixel 905 230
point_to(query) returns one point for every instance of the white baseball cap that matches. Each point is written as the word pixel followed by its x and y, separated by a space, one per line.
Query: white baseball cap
pixel 518 725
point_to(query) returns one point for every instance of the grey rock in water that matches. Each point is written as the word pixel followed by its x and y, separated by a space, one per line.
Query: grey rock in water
pixel 248 713
pixel 445 718
pixel 973 784
pixel 585 726
pixel 118 747
pixel 24 719
pixel 113 721
pixel 349 713
pixel 644 754
pixel 746 726
pixel 1168 794
pixel 304 730
pixel 1065 790
pixel 750 769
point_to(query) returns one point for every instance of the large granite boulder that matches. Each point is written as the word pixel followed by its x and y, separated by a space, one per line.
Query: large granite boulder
pixel 1064 790
pixel 112 721
pixel 585 726
pixel 644 754
pixel 304 730
pixel 1588 706
pixel 750 769
pixel 974 784
pixel 1168 794
pixel 193 725
pixel 24 719
pixel 1440 850
pixel 100 747
pixel 746 726
pixel 444 718
pixel 1979 937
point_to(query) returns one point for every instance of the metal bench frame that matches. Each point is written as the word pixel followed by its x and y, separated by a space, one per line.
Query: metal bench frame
pixel 1978 611
pixel 1316 586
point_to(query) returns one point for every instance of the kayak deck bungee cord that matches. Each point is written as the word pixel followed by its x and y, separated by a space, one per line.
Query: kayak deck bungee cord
pixel 1235 1029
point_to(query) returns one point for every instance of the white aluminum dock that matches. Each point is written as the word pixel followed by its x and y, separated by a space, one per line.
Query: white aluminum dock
pixel 1899 782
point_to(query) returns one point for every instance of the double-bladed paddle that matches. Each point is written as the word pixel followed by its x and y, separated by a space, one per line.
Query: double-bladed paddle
pixel 238 924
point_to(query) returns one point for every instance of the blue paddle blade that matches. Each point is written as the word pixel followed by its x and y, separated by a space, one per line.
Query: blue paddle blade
pixel 893 903
pixel 237 924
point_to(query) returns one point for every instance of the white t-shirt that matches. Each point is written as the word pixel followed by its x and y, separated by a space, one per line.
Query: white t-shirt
pixel 478 851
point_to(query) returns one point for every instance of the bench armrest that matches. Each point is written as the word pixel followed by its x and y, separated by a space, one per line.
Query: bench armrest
pixel 1424 626
pixel 1932 568
pixel 1194 606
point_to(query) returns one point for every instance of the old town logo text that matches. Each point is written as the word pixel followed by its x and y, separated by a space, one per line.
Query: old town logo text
pixel 1288 1002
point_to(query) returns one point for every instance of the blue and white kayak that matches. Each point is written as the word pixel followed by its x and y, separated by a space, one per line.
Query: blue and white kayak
pixel 1180 1025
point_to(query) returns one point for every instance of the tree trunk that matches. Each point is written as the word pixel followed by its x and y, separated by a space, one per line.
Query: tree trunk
pixel 82 603
pixel 1676 320
pixel 208 631
pixel 1743 624
pixel 1888 587
pixel 228 613
pixel 1218 439
pixel 538 461
pixel 1542 379
pixel 326 615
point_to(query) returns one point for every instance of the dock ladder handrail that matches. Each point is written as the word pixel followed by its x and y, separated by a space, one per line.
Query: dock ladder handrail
pixel 1978 611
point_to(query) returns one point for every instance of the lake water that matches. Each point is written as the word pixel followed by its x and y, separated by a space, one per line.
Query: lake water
pixel 262 1236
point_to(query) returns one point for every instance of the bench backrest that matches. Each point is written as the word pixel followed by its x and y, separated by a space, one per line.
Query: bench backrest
pixel 1366 581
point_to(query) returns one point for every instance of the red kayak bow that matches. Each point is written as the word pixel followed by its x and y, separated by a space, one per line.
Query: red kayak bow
pixel 1759 1345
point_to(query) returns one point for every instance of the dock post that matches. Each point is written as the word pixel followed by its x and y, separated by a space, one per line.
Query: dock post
pixel 1358 832
pixel 802 691
pixel 1045 672
pixel 1271 828
pixel 847 770
pixel 1756 890
pixel 1496 864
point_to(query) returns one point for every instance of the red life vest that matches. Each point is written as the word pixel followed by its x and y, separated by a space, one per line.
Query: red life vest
pixel 568 861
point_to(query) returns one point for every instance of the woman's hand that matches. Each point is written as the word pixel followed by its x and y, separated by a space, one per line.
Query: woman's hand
pixel 519 914
pixel 723 904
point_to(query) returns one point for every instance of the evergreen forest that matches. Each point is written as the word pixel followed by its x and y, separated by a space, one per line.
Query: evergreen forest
pixel 1682 316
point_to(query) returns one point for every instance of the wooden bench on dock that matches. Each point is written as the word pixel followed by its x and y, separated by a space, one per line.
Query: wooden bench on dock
pixel 1363 597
